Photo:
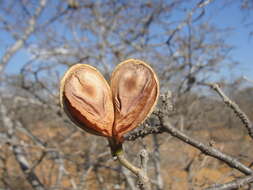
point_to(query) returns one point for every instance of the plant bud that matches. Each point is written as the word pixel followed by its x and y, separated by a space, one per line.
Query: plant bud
pixel 86 98
pixel 135 90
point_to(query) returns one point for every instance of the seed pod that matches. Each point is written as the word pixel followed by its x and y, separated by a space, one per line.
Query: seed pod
pixel 135 90
pixel 86 98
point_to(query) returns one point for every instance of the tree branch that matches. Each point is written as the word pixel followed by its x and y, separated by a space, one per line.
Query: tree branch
pixel 202 4
pixel 141 173
pixel 141 133
pixel 25 167
pixel 206 149
pixel 18 151
pixel 239 113
pixel 235 184
pixel 20 42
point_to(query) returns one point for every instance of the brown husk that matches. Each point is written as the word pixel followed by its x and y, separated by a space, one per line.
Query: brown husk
pixel 86 98
pixel 135 90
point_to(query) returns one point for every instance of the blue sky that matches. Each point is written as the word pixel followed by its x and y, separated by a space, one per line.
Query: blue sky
pixel 231 16
pixel 228 16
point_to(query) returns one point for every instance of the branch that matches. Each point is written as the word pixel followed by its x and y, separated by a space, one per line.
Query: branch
pixel 20 42
pixel 25 167
pixel 165 126
pixel 235 184
pixel 144 181
pixel 206 149
pixel 141 133
pixel 18 151
pixel 157 163
pixel 141 173
pixel 247 79
pixel 121 158
pixel 129 178
pixel 239 113
pixel 179 27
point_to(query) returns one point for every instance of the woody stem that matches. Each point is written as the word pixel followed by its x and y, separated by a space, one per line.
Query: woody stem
pixel 141 173
pixel 124 162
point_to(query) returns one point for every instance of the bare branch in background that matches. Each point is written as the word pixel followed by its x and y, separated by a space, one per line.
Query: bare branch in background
pixel 208 150
pixel 188 19
pixel 19 151
pixel 20 42
pixel 165 126
pixel 247 79
pixel 239 113
pixel 129 178
pixel 26 168
pixel 238 183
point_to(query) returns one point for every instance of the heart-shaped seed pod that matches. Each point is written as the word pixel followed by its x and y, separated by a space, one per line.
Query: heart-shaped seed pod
pixel 135 90
pixel 86 98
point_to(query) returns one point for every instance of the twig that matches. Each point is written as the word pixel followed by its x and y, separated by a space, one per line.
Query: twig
pixel 141 173
pixel 202 4
pixel 129 178
pixel 165 126
pixel 141 133
pixel 25 167
pixel 157 163
pixel 235 184
pixel 18 151
pixel 206 149
pixel 144 181
pixel 144 160
pixel 121 158
pixel 239 113
pixel 20 42
pixel 247 79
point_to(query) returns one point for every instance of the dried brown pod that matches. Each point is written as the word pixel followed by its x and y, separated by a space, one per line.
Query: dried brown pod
pixel 109 111
pixel 135 90
pixel 86 98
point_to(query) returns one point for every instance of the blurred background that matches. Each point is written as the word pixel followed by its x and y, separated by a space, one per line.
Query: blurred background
pixel 187 42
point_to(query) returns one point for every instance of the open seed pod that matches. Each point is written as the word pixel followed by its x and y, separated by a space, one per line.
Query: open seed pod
pixel 86 98
pixel 135 90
